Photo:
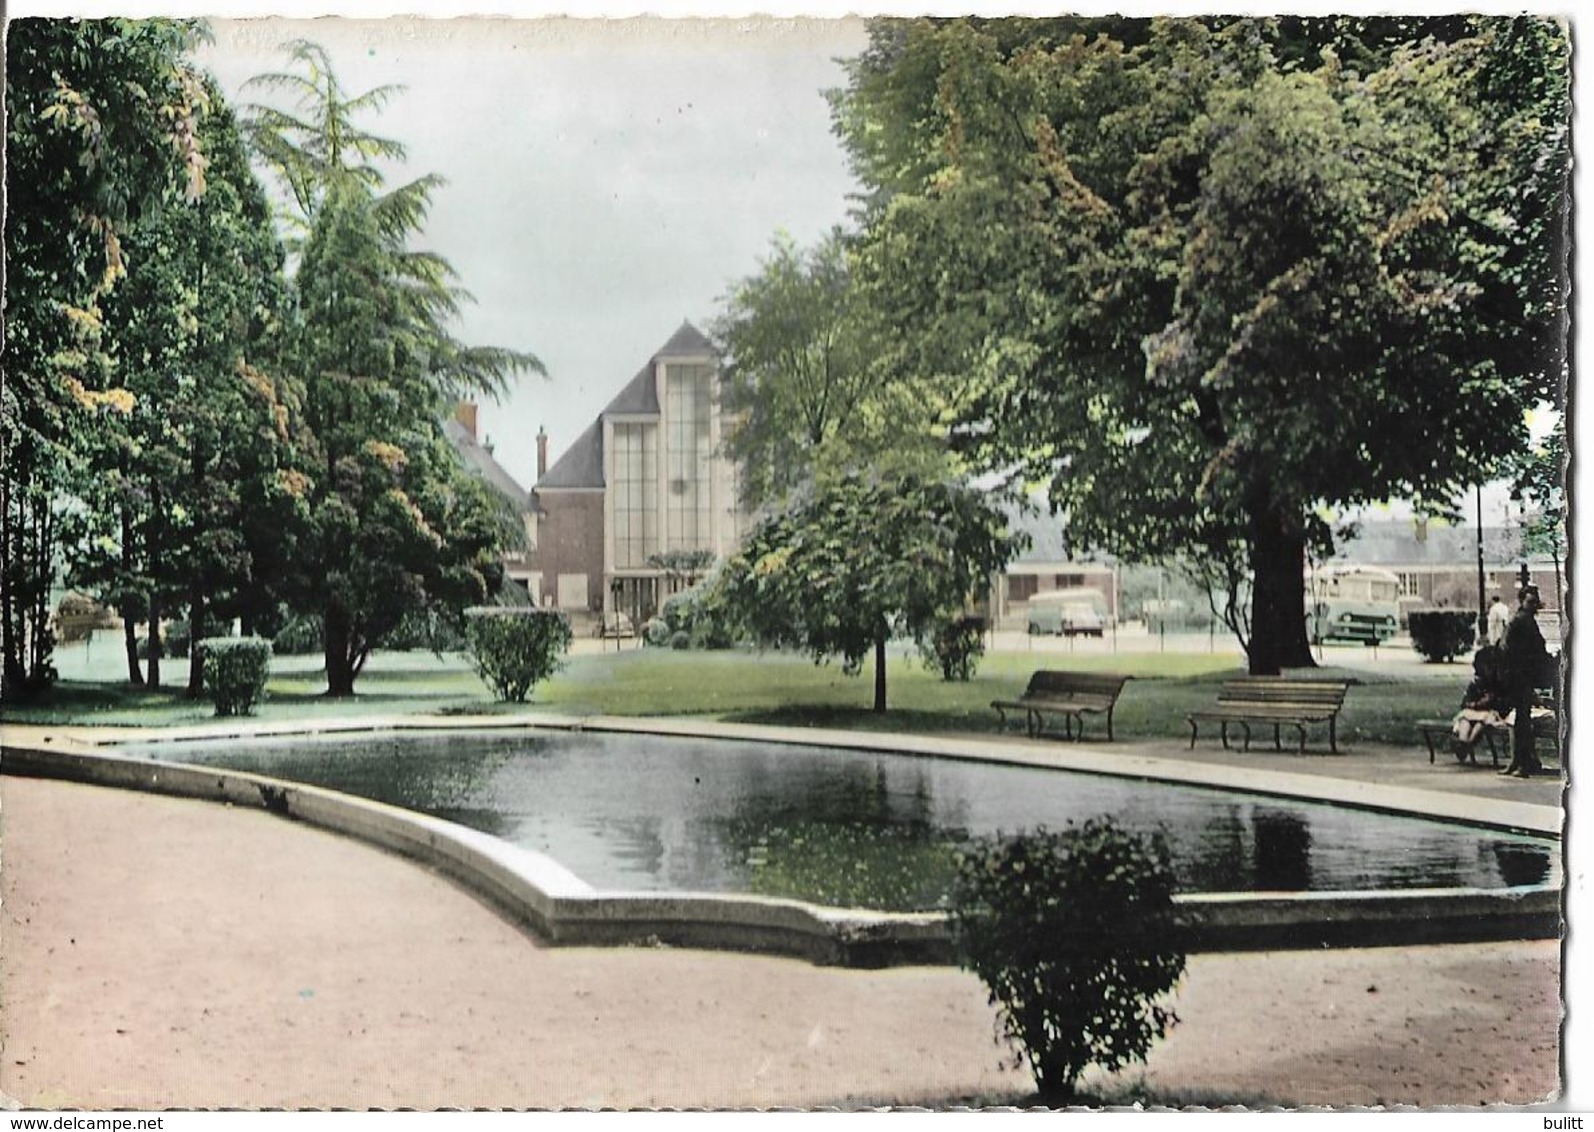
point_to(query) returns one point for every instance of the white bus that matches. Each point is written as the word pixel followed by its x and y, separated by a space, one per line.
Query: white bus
pixel 1352 603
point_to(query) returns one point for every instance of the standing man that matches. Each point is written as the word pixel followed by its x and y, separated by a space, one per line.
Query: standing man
pixel 1499 618
pixel 1525 661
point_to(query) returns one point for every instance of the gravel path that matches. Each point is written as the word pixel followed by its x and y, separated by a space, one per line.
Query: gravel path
pixel 157 952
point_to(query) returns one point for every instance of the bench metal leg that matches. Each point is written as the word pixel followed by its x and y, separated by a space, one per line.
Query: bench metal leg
pixel 1277 745
pixel 1192 733
pixel 1333 746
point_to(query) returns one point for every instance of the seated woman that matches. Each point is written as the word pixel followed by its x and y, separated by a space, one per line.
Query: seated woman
pixel 1486 701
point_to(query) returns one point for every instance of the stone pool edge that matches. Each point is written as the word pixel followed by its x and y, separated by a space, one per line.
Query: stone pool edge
pixel 535 890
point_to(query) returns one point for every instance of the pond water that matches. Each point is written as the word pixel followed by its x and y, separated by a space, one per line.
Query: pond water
pixel 856 829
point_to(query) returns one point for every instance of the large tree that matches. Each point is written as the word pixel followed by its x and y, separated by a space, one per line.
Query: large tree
pixel 100 135
pixel 1202 279
pixel 855 561
pixel 396 524
pixel 170 486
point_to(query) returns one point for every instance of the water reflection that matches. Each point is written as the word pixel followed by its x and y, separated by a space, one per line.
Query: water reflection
pixel 861 829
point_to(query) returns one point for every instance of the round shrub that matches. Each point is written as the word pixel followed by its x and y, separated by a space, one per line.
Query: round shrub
pixel 1076 935
pixel 516 647
pixel 1441 635
pixel 680 639
pixel 954 648
pixel 234 670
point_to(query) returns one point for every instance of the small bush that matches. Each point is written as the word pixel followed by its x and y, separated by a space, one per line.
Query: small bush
pixel 514 648
pixel 424 630
pixel 235 671
pixel 1076 934
pixel 954 648
pixel 300 636
pixel 697 613
pixel 179 634
pixel 1441 635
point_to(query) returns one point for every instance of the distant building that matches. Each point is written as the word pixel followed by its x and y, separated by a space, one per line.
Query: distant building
pixel 643 485
pixel 477 455
pixel 1046 567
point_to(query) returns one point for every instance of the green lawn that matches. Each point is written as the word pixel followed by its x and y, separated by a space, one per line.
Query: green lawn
pixel 740 686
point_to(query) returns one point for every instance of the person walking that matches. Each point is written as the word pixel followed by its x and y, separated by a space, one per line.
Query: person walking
pixel 1499 618
pixel 1525 662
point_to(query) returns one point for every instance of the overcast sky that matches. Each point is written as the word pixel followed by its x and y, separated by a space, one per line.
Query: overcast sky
pixel 606 179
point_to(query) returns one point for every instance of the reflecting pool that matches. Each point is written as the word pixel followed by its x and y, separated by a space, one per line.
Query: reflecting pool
pixel 857 829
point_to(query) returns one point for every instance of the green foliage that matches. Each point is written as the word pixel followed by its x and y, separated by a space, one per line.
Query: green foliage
pixel 395 525
pixel 100 137
pixel 179 634
pixel 236 669
pixel 298 635
pixel 802 383
pixel 1077 937
pixel 839 572
pixel 696 618
pixel 1441 635
pixel 1203 277
pixel 514 649
pixel 954 648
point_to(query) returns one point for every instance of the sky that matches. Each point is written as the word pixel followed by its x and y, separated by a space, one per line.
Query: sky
pixel 606 180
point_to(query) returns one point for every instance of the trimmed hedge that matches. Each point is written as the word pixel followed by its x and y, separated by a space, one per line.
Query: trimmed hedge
pixel 1441 635
pixel 516 647
pixel 235 671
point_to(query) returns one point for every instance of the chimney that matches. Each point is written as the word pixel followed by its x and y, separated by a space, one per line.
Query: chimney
pixel 465 414
pixel 542 452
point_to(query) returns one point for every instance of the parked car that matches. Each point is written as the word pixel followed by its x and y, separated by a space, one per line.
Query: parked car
pixel 1079 611
pixel 1081 621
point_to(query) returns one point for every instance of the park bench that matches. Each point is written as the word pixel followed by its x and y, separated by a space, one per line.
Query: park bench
pixel 1069 694
pixel 1277 702
pixel 1437 734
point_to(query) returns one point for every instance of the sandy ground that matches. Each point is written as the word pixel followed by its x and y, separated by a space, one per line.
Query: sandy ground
pixel 164 953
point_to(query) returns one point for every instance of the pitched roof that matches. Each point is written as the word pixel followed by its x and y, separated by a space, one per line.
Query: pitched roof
pixel 481 461
pixel 687 342
pixel 640 395
pixel 582 463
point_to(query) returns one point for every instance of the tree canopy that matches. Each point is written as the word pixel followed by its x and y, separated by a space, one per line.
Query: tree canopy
pixel 855 560
pixel 1202 278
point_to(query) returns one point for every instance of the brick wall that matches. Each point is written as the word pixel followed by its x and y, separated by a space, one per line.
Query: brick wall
pixel 570 541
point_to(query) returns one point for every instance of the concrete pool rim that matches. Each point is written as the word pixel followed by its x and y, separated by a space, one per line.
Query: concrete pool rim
pixel 539 892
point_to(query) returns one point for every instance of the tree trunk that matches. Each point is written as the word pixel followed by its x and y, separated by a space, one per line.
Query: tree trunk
pixel 336 634
pixel 135 674
pixel 154 682
pixel 880 671
pixel 196 622
pixel 1278 595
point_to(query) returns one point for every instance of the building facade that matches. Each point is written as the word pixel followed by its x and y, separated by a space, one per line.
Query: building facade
pixel 643 498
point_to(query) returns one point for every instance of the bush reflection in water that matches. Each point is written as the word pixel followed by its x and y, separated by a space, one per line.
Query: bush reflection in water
pixel 847 828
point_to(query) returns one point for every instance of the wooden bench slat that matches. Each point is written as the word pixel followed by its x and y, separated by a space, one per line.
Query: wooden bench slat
pixel 1271 700
pixel 1069 694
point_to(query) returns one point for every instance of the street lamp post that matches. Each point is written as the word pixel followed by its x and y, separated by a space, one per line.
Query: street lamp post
pixel 1483 600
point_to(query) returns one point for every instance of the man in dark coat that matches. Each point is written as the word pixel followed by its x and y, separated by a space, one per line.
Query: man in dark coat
pixel 1526 659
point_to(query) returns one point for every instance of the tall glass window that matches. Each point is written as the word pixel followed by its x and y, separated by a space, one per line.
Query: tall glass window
pixel 636 508
pixel 688 519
